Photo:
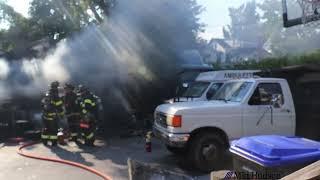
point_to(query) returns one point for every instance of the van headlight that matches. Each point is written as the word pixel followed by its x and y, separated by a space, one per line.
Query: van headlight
pixel 174 121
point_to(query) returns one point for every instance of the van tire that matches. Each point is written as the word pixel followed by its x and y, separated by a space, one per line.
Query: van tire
pixel 206 150
pixel 176 150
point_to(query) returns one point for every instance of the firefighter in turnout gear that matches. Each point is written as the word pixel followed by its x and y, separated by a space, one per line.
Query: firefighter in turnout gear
pixel 88 106
pixel 53 110
pixel 72 110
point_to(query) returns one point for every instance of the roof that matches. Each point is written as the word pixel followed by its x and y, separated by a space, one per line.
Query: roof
pixel 249 50
pixel 222 42
pixel 234 43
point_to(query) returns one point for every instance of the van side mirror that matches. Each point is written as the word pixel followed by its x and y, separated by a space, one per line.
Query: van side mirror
pixel 276 100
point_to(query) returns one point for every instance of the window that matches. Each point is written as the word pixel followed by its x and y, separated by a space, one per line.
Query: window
pixel 213 89
pixel 196 89
pixel 264 93
pixel 233 91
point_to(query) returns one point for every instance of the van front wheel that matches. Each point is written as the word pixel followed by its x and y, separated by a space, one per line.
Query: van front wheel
pixel 206 151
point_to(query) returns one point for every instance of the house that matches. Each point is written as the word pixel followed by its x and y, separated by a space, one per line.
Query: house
pixel 224 51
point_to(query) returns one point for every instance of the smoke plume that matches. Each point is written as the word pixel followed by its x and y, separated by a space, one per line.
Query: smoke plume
pixel 129 58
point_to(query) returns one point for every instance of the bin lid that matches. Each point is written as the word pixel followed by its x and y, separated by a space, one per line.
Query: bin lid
pixel 274 150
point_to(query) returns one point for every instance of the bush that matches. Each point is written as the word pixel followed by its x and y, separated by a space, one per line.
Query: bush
pixel 276 62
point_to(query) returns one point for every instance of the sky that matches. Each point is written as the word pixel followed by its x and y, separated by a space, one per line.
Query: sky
pixel 216 14
pixel 20 6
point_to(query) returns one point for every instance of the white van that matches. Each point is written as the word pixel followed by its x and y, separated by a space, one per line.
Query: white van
pixel 207 84
pixel 242 107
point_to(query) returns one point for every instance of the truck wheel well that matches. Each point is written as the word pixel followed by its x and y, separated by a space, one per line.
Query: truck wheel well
pixel 216 130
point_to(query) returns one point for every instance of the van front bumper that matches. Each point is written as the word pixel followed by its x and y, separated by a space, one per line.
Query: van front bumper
pixel 171 139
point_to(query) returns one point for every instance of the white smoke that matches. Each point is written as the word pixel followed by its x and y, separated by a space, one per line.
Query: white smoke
pixel 92 58
pixel 52 67
pixel 30 77
pixel 4 69
pixel 103 57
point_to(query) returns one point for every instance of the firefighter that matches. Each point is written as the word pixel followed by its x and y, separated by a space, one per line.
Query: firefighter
pixel 53 110
pixel 72 110
pixel 89 110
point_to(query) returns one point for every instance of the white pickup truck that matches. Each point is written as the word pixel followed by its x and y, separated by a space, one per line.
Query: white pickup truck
pixel 243 107
pixel 208 83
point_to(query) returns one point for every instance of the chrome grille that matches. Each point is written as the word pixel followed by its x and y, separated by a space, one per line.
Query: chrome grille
pixel 161 119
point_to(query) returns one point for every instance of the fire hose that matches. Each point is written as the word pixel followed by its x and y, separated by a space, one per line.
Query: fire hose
pixel 70 163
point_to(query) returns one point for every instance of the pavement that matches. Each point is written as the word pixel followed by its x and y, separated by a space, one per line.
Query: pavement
pixel 109 156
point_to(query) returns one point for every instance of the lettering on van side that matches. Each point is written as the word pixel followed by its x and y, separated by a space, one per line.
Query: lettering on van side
pixel 238 75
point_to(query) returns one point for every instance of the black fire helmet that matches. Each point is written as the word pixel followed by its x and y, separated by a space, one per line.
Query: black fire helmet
pixel 54 85
pixel 82 88
pixel 69 86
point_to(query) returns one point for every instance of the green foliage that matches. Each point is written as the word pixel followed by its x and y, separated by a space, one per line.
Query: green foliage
pixel 245 23
pixel 226 33
pixel 262 22
pixel 269 63
pixel 8 14
pixel 19 32
pixel 64 17
pixel 48 18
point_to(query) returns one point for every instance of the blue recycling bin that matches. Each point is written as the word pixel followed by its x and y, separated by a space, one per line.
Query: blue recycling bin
pixel 272 155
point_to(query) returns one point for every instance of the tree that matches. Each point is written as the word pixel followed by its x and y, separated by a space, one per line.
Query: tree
pixel 104 6
pixel 266 28
pixel 19 33
pixel 226 33
pixel 245 23
pixel 64 17
pixel 7 13
pixel 282 40
pixel 50 20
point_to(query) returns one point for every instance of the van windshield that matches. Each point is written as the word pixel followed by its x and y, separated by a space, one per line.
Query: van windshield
pixel 233 91
pixel 196 89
